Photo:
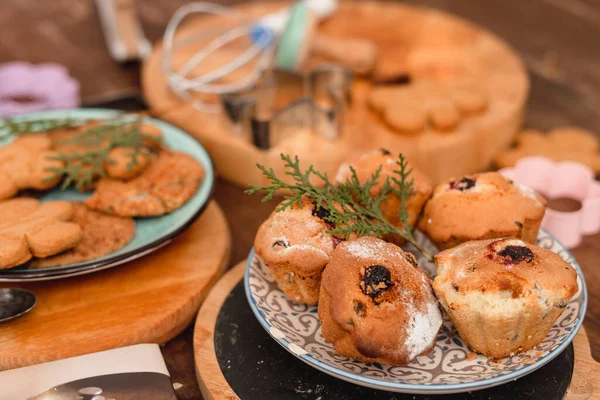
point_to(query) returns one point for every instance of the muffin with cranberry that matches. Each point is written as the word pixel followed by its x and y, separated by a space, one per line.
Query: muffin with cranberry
pixel 481 206
pixel 367 164
pixel 503 295
pixel 376 304
pixel 295 246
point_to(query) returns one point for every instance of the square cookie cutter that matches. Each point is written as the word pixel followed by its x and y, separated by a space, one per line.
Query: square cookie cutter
pixel 285 103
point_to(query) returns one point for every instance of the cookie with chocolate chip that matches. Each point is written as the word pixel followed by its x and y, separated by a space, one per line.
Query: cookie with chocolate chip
pixel 376 304
pixel 481 206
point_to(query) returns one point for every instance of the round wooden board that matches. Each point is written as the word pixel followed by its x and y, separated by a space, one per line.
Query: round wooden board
pixel 423 43
pixel 149 300
pixel 584 382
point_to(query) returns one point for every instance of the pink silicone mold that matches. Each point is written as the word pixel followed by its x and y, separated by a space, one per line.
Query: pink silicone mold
pixel 562 179
pixel 48 86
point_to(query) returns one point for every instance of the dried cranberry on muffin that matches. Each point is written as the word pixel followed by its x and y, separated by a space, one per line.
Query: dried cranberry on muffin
pixel 481 206
pixel 503 295
pixel 376 304
pixel 295 245
pixel 367 164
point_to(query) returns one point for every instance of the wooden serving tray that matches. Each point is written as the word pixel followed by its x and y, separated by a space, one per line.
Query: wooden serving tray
pixel 149 300
pixel 419 42
pixel 264 370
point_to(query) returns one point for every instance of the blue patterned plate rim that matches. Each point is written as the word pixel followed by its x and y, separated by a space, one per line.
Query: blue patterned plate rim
pixel 436 388
pixel 196 204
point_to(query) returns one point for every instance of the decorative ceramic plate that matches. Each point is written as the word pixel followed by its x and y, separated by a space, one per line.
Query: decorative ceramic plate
pixel 449 368
pixel 150 233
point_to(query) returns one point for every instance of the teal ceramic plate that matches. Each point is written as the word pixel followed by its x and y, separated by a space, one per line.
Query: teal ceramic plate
pixel 150 233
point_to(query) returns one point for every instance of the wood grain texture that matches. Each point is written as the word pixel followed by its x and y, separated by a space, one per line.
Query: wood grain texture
pixel 210 378
pixel 428 45
pixel 557 39
pixel 584 383
pixel 149 300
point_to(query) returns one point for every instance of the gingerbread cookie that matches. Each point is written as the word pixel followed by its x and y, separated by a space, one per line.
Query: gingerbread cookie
pixel 413 107
pixel 29 229
pixel 170 181
pixel 26 163
pixel 560 144
pixel 101 234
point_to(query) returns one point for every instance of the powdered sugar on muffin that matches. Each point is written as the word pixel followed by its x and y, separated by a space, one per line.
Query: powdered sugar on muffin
pixel 376 304
pixel 296 247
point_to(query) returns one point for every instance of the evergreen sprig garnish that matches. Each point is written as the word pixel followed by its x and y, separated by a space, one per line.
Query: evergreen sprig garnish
pixel 92 147
pixel 16 126
pixel 352 208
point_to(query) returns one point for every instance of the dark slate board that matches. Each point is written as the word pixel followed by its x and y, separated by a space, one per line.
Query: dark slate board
pixel 256 367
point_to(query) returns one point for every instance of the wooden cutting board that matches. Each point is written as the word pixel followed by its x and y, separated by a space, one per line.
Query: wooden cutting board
pixel 149 300
pixel 415 41
pixel 585 380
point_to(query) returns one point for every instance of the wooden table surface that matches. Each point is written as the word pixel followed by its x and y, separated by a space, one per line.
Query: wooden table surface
pixel 558 39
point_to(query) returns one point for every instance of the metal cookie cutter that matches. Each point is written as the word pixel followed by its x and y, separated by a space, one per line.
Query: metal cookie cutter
pixel 284 103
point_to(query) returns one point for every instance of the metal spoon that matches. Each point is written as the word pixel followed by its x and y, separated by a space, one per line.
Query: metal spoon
pixel 15 302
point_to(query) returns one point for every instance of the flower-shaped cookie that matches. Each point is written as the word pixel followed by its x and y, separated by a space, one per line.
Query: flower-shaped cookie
pixel 25 164
pixel 417 105
pixel 29 229
pixel 560 144
pixel 43 87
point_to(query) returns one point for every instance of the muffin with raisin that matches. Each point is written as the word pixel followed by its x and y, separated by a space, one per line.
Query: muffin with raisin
pixel 295 246
pixel 503 295
pixel 376 304
pixel 367 164
pixel 481 206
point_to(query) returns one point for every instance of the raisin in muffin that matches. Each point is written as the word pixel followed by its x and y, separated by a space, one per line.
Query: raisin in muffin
pixel 376 304
pixel 481 206
pixel 503 295
pixel 367 164
pixel 295 245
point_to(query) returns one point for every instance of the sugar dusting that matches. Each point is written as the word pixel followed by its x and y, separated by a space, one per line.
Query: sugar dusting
pixel 528 192
pixel 371 249
pixel 422 328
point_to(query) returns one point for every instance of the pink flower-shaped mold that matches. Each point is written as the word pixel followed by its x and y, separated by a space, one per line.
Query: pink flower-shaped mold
pixel 47 86
pixel 559 180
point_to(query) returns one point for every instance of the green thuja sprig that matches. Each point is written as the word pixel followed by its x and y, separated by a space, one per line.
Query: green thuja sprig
pixel 352 208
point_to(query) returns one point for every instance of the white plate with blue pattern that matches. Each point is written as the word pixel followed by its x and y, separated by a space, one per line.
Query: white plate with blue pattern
pixel 150 233
pixel 449 368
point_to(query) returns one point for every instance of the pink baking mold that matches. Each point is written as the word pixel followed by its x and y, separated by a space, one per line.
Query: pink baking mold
pixel 45 86
pixel 558 180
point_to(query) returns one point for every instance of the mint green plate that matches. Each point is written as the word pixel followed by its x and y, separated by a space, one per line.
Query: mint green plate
pixel 150 233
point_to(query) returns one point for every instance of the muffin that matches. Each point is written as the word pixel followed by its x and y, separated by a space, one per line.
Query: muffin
pixel 481 206
pixel 503 295
pixel 376 304
pixel 367 164
pixel 296 247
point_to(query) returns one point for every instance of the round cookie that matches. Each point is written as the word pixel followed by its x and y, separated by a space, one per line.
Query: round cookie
pixel 376 304
pixel 503 295
pixel 560 144
pixel 367 164
pixel 167 184
pixel 481 206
